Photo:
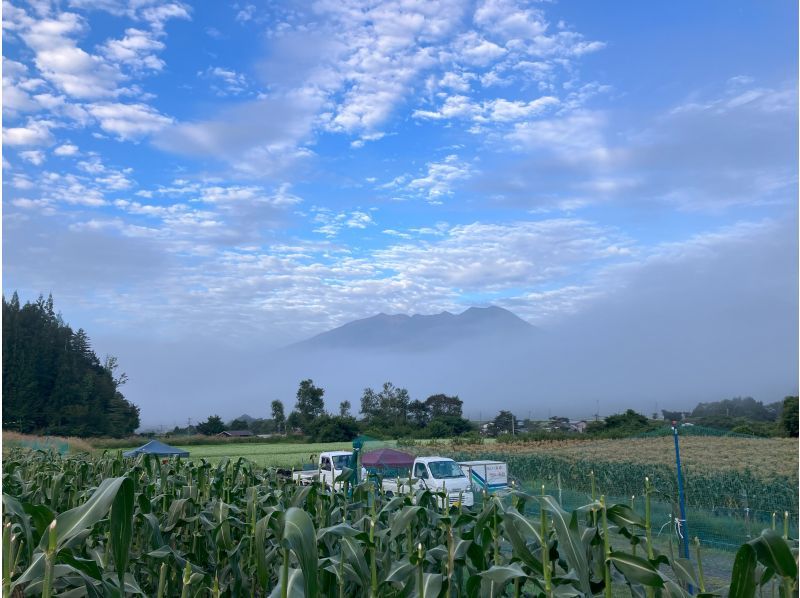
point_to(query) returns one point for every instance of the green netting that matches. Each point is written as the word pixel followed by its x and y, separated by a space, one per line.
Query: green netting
pixel 724 509
pixel 735 490
pixel 721 531
pixel 40 444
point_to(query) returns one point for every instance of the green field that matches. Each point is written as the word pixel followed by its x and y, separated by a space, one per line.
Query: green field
pixel 268 455
pixel 285 454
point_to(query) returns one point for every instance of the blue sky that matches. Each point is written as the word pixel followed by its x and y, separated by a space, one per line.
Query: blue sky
pixel 253 173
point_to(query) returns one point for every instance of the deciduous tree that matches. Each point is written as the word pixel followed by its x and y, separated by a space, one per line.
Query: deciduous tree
pixel 309 400
pixel 789 416
pixel 278 415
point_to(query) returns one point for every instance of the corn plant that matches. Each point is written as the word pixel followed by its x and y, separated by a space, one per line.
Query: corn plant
pixel 109 526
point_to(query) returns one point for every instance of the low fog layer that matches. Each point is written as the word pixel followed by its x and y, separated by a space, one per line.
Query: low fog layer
pixel 713 322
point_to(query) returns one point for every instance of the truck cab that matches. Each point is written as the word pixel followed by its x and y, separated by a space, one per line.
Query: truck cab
pixel 330 465
pixel 435 474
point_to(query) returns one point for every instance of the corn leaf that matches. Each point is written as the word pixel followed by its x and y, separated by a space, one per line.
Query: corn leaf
pixel 636 569
pixel 743 577
pixel 299 534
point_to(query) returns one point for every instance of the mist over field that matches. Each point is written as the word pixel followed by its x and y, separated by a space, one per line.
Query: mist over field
pixel 712 323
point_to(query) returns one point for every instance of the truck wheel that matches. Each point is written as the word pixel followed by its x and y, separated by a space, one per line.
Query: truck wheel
pixel 389 494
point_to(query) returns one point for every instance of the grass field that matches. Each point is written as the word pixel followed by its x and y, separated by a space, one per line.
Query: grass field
pixel 269 455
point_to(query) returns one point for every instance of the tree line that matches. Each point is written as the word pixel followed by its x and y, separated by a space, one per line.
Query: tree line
pixel 388 412
pixel 743 415
pixel 53 382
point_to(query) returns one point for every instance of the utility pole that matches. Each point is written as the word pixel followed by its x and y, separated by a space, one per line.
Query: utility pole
pixel 188 426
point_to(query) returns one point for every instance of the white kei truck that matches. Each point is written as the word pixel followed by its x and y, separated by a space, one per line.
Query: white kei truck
pixel 435 474
pixel 330 466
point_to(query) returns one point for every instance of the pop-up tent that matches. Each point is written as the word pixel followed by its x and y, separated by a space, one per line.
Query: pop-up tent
pixel 388 462
pixel 154 447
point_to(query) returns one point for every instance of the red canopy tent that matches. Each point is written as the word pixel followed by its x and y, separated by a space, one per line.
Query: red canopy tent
pixel 387 458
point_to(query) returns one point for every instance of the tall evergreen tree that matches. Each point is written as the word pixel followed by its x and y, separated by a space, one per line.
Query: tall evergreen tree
pixel 53 383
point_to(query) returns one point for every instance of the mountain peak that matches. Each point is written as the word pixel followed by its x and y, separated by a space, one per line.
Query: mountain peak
pixel 400 332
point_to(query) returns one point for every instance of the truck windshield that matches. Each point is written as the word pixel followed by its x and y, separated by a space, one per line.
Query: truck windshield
pixel 341 461
pixel 445 469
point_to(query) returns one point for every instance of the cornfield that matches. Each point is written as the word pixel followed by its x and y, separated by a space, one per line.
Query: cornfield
pixel 763 458
pixel 705 488
pixel 109 526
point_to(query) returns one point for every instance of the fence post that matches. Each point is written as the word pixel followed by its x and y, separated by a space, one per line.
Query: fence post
pixel 681 497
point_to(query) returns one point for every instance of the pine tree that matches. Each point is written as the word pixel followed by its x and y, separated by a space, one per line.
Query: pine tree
pixel 53 381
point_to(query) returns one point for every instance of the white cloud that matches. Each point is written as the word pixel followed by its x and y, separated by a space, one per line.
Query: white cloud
pixel 359 219
pixel 509 20
pixel 35 157
pixel 474 49
pixel 70 189
pixel 396 233
pixel 66 149
pixel 128 121
pixel 115 181
pixel 34 133
pixel 331 223
pixel 15 97
pixel 741 93
pixel 347 67
pixel 489 111
pixel 441 177
pixel 157 16
pixel 58 57
pixel 457 81
pixel 20 181
pixel 92 165
pixel 58 105
pixel 501 110
pixel 457 106
pixel 137 50
pixel 43 206
pixel 225 81
pixel 282 196
pixel 577 137
pixel 497 256
pixel 246 14
pixel 367 57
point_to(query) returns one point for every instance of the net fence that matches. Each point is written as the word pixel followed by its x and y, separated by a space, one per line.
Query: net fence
pixel 724 509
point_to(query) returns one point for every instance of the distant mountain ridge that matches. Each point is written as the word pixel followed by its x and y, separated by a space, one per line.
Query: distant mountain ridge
pixel 420 332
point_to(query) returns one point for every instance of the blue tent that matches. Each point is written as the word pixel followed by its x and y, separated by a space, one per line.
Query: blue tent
pixel 154 447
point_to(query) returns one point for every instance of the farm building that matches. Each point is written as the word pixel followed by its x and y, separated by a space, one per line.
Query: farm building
pixel 578 426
